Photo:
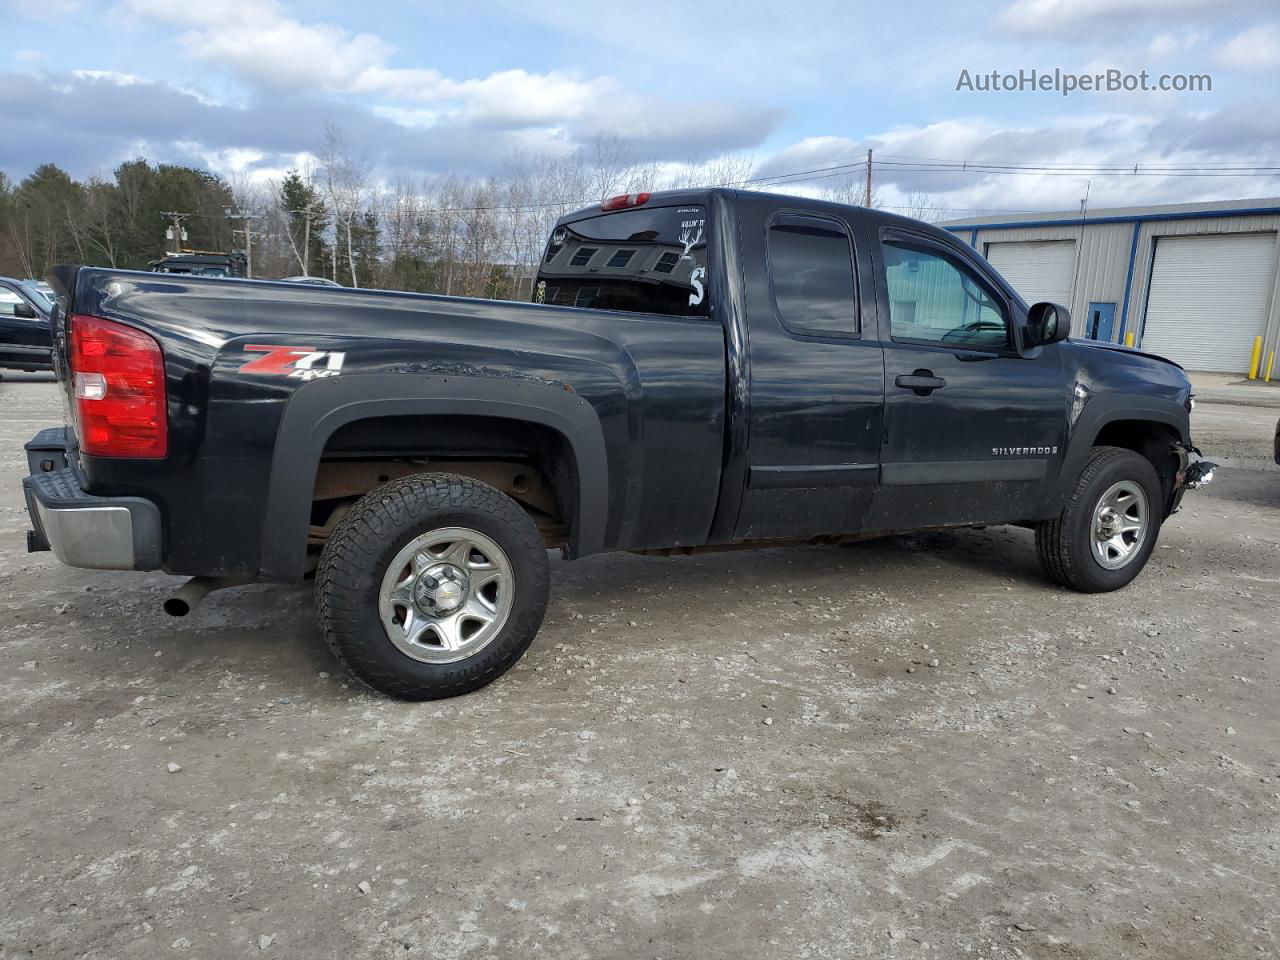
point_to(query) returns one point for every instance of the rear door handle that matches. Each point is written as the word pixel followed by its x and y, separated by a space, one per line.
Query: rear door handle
pixel 921 383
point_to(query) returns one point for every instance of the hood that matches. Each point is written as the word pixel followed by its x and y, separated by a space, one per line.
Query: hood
pixel 1120 347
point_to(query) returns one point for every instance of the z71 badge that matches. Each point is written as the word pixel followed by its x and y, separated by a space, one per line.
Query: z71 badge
pixel 300 363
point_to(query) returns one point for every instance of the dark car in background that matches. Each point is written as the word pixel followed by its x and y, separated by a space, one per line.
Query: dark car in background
pixel 202 263
pixel 26 341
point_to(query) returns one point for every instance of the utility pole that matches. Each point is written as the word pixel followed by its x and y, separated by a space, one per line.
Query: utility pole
pixel 176 231
pixel 247 219
pixel 867 202
pixel 310 214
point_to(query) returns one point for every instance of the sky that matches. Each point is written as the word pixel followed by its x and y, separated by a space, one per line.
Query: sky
pixel 245 88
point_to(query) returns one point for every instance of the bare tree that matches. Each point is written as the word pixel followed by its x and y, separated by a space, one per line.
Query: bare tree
pixel 605 159
pixel 726 170
pixel 922 206
pixel 345 181
pixel 851 188
pixel 102 218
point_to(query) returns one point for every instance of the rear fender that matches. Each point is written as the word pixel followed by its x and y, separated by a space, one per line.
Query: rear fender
pixel 319 408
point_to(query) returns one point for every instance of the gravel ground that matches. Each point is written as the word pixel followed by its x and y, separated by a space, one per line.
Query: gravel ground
pixel 910 748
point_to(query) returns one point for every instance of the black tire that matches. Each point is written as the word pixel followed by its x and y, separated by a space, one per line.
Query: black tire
pixel 371 535
pixel 1065 545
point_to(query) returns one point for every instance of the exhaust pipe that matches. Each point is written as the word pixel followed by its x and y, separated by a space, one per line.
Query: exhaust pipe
pixel 183 600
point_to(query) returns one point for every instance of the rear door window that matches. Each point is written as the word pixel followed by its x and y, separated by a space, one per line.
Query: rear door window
pixel 811 270
pixel 644 260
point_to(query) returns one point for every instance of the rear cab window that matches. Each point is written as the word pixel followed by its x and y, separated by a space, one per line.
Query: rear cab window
pixel 642 260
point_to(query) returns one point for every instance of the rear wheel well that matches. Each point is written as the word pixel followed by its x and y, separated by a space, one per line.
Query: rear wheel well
pixel 531 463
pixel 1150 439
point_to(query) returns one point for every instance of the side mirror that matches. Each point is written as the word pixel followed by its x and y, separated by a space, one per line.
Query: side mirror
pixel 1048 323
pixel 25 311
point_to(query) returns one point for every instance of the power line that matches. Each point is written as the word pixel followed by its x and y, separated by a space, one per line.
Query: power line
pixel 900 164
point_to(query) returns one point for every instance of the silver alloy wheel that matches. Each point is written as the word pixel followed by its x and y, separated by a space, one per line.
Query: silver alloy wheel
pixel 446 595
pixel 1121 520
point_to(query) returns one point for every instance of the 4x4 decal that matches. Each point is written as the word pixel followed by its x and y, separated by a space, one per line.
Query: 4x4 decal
pixel 301 363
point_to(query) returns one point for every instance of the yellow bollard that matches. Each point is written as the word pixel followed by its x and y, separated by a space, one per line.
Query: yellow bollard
pixel 1256 358
pixel 1271 359
pixel 1128 339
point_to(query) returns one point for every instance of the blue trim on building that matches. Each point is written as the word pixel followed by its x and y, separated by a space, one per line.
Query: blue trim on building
pixel 1135 218
pixel 1128 280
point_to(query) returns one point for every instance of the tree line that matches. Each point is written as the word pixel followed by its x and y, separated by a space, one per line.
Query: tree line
pixel 457 235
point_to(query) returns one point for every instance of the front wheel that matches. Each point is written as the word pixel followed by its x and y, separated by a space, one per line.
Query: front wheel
pixel 432 586
pixel 1109 526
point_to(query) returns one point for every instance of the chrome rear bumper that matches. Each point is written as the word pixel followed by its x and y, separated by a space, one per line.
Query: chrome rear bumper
pixel 82 530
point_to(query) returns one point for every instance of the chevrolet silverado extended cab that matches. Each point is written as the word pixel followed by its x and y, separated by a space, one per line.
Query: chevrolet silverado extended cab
pixel 698 369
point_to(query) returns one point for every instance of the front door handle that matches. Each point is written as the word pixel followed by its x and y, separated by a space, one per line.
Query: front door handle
pixel 921 383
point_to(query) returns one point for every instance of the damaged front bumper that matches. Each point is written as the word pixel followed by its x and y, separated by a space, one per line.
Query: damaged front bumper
pixel 1194 472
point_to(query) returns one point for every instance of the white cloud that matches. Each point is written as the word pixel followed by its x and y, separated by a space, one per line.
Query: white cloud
pixel 47 11
pixel 1258 48
pixel 111 76
pixel 1063 18
pixel 1087 142
pixel 1168 44
pixel 258 42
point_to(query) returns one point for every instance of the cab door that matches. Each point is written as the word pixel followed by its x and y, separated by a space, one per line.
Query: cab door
pixel 973 426
pixel 816 375
pixel 25 339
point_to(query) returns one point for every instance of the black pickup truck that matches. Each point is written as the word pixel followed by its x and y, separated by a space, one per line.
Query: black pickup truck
pixel 699 369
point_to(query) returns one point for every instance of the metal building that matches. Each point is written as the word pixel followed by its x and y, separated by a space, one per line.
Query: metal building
pixel 1196 282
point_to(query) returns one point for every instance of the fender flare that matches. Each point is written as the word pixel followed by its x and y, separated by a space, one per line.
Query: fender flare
pixel 319 408
pixel 1097 415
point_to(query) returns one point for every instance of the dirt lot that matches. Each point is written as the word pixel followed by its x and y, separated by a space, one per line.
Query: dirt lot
pixel 911 748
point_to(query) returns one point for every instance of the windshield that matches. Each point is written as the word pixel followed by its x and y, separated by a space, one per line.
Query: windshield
pixel 647 260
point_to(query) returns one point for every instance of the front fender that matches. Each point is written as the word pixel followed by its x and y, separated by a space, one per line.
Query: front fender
pixel 320 407
pixel 1097 414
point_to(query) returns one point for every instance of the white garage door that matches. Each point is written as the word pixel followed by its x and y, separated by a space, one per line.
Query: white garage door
pixel 1208 299
pixel 1039 270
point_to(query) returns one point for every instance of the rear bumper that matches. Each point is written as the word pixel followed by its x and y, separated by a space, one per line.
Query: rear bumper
pixel 82 530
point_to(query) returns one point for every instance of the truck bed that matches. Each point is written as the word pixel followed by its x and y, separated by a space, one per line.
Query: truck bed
pixel 649 391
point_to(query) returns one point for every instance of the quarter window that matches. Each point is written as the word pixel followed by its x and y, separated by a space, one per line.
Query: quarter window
pixel 621 258
pixel 811 269
pixel 583 256
pixel 935 299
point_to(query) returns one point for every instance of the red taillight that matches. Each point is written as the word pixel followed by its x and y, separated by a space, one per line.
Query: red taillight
pixel 623 200
pixel 118 375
